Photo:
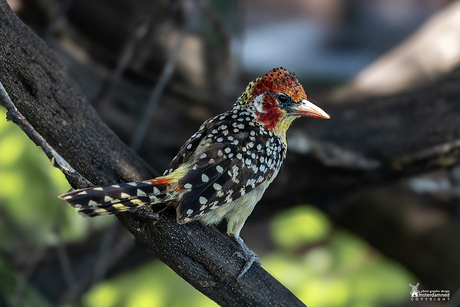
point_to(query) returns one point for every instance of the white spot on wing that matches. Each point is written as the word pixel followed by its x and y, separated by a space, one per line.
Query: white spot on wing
pixel 141 193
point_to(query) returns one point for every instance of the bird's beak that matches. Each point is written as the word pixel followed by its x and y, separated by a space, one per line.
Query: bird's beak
pixel 306 108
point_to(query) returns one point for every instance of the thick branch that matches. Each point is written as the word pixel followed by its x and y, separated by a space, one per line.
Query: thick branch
pixel 56 110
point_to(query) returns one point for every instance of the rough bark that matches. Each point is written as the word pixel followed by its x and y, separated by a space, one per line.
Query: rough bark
pixel 46 102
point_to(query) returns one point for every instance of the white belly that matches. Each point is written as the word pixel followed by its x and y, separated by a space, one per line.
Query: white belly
pixel 237 211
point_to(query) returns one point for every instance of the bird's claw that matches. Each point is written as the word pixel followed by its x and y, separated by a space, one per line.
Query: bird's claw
pixel 247 255
pixel 251 256
pixel 250 259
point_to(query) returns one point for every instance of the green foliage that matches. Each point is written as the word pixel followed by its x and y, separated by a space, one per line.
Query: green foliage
pixel 324 267
pixel 152 284
pixel 31 216
pixel 29 187
pixel 299 226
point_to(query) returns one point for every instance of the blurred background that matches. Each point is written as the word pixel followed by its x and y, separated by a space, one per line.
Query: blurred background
pixel 345 233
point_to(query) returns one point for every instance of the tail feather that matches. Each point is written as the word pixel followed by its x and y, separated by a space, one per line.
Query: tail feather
pixel 112 208
pixel 116 198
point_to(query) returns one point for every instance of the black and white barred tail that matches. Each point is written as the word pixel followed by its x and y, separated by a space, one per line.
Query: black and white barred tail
pixel 117 198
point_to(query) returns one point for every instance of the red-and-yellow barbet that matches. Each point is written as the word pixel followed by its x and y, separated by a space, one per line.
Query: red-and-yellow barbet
pixel 223 170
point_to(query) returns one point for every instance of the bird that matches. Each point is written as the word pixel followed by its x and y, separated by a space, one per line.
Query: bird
pixel 223 169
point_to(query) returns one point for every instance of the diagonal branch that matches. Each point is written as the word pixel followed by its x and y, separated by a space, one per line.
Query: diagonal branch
pixel 56 112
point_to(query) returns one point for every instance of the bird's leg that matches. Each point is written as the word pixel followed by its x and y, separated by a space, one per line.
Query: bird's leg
pixel 248 255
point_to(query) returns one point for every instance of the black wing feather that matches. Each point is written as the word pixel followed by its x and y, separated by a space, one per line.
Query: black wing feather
pixel 233 164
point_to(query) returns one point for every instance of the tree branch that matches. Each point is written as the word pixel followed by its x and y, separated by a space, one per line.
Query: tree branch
pixel 56 111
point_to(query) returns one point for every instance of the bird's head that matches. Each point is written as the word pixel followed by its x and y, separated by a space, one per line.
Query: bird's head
pixel 277 99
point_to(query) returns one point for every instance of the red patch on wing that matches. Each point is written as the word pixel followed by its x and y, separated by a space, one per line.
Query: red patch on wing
pixel 159 181
pixel 165 182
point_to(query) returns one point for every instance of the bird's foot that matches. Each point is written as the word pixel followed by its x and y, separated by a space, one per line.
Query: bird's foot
pixel 247 255
pixel 250 259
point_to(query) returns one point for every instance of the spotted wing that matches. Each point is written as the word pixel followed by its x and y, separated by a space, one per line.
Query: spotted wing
pixel 236 162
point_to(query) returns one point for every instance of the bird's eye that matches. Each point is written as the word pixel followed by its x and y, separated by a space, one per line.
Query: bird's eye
pixel 283 98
